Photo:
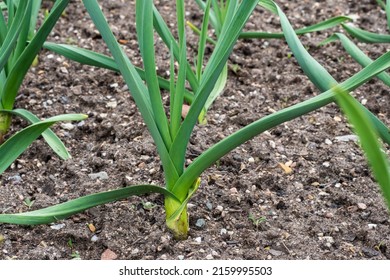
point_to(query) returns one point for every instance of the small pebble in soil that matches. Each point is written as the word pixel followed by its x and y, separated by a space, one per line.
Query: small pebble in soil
pixel 369 252
pixel 64 70
pixel 209 205
pixel 200 223
pixel 94 238
pixel 275 253
pixel 362 206
pixel 57 226
pixel 209 257
pixel 329 215
pixel 372 226
pixel 112 104
pixel 233 191
pixel 328 142
pixel 81 124
pixel 327 239
pixel 198 239
pixel 135 251
pixel 67 126
pixel 215 254
pixel 15 179
pixel 100 175
pixel 180 257
pixel 108 255
pixel 223 231
pixel 346 138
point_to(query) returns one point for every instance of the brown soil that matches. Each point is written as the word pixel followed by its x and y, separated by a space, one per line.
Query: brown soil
pixel 329 207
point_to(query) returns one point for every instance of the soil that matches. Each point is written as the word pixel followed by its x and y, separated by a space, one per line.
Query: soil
pixel 247 207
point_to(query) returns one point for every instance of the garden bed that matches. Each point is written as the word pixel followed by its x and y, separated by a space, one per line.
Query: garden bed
pixel 249 204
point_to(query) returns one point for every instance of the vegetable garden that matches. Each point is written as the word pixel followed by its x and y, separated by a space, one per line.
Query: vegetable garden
pixel 210 129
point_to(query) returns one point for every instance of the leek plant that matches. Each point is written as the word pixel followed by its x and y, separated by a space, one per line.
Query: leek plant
pixel 171 133
pixel 363 36
pixel 20 45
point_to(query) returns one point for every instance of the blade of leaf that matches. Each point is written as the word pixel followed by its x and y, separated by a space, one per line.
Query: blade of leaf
pixel 23 35
pixel 366 36
pixel 144 22
pixel 12 36
pixel 356 54
pixel 18 143
pixel 316 72
pixel 218 16
pixel 22 65
pixel 229 14
pixel 136 86
pixel 363 127
pixel 323 25
pixel 167 37
pixel 34 18
pixel 381 4
pixel 3 28
pixel 64 210
pixel 50 137
pixel 213 18
pixel 387 8
pixel 202 40
pixel 218 150
pixel 211 74
pixel 181 80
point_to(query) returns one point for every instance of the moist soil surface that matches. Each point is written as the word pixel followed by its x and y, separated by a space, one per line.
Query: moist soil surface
pixel 249 204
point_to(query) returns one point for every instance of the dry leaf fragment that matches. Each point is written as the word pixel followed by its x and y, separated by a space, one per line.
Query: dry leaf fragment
pixel 91 227
pixel 122 41
pixel 285 168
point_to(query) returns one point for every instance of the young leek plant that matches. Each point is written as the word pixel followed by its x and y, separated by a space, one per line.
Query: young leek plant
pixel 171 135
pixel 19 47
pixel 364 36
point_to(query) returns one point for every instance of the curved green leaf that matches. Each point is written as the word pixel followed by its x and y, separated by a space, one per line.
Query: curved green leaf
pixel 136 87
pixel 144 24
pixel 318 74
pixel 214 153
pixel 50 137
pixel 13 34
pixel 18 143
pixel 366 36
pixel 356 54
pixel 363 127
pixel 23 63
pixel 170 41
pixel 210 76
pixel 323 25
pixel 64 210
